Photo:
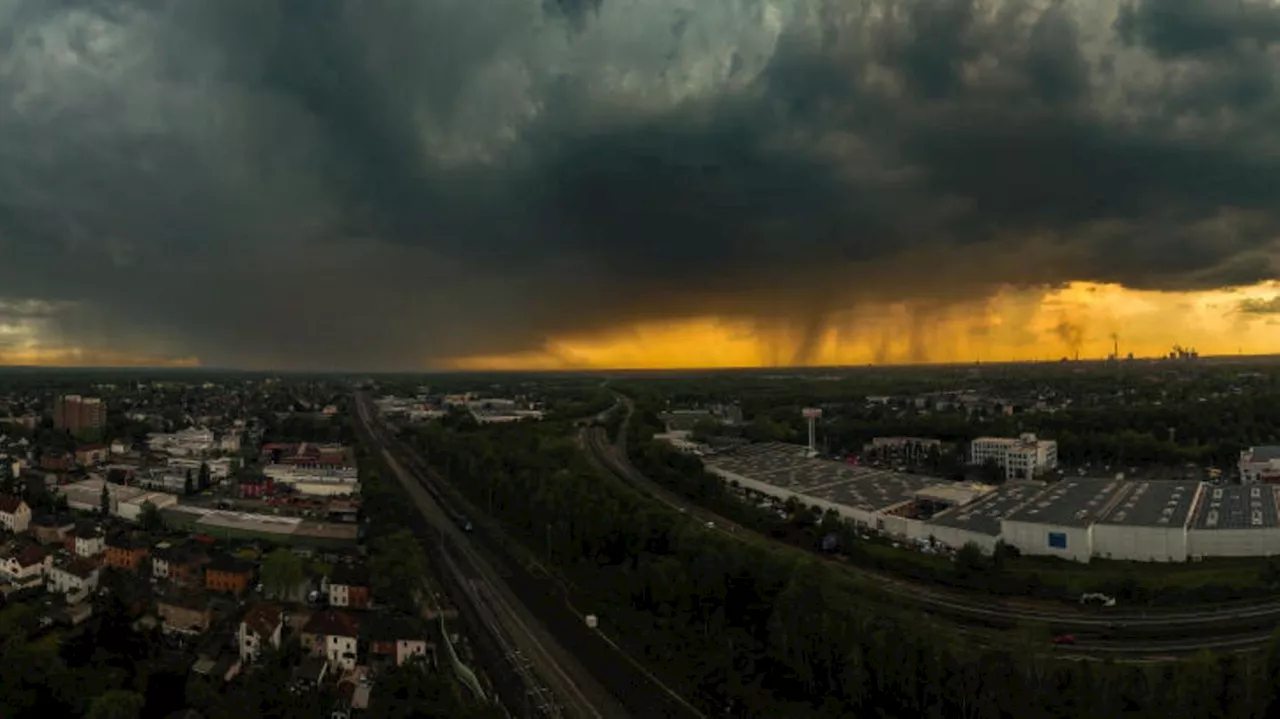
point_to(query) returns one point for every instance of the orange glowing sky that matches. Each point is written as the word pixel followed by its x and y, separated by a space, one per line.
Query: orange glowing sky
pixel 1011 326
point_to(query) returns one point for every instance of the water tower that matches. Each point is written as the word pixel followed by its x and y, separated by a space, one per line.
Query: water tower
pixel 811 415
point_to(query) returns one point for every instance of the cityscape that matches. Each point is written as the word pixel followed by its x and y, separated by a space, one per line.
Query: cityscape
pixel 639 359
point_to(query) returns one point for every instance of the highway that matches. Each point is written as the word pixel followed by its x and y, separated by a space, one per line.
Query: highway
pixel 527 644
pixel 541 631
pixel 1099 634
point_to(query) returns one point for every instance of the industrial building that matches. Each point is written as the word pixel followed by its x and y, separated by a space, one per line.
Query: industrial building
pixel 125 502
pixel 1075 518
pixel 1023 458
pixel 1059 521
pixel 292 531
pixel 979 522
pixel 1148 522
pixel 1235 521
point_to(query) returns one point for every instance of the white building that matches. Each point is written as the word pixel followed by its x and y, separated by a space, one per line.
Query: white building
pixel 1260 464
pixel 261 626
pixel 1021 458
pixel 77 577
pixel 27 566
pixel 191 442
pixel 1147 523
pixel 124 502
pixel 15 515
pixel 1059 521
pixel 1236 521
pixel 88 544
pixel 218 468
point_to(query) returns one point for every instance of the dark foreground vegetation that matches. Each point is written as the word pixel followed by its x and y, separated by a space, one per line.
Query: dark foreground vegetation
pixel 770 632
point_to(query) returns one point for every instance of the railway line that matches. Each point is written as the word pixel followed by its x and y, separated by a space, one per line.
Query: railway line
pixel 588 674
pixel 1104 634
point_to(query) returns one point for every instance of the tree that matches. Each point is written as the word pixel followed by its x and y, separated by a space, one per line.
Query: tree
pixel 105 500
pixel 188 487
pixel 116 704
pixel 398 565
pixel 150 518
pixel 282 571
pixel 204 477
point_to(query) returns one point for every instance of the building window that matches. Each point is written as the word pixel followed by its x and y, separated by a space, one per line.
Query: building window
pixel 1058 540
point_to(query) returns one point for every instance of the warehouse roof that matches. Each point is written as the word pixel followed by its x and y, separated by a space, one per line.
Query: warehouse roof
pixel 1070 503
pixel 1248 506
pixel 1154 504
pixel 984 515
pixel 785 466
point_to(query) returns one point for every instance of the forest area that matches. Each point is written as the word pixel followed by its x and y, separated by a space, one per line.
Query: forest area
pixel 772 631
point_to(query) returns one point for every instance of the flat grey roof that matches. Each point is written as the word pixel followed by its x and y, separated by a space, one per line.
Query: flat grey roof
pixel 785 466
pixel 983 516
pixel 1236 506
pixel 1154 504
pixel 1070 502
pixel 1265 453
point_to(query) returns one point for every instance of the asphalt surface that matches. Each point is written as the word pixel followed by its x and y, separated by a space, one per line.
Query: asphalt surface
pixel 547 634
pixel 1099 634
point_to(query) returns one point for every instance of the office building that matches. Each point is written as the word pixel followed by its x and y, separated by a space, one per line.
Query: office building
pixel 1022 458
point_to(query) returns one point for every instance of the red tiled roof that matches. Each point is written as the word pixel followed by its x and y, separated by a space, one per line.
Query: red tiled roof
pixel 263 619
pixel 9 503
pixel 81 567
pixel 332 623
pixel 31 556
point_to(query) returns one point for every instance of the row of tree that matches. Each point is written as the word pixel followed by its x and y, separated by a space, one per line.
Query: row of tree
pixel 771 632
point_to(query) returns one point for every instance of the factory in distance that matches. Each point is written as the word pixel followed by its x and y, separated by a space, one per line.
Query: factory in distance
pixel 1077 519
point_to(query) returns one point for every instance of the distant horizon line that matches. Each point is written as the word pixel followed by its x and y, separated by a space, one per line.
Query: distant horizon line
pixel 196 369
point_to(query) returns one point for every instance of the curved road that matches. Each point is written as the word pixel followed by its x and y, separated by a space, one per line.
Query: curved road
pixel 1260 618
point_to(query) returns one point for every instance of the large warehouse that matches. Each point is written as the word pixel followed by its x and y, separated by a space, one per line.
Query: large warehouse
pixel 1148 523
pixel 1058 522
pixel 1076 519
pixel 1235 521
pixel 979 522
pixel 126 502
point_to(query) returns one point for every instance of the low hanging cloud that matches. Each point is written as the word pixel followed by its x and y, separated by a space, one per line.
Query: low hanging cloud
pixel 384 184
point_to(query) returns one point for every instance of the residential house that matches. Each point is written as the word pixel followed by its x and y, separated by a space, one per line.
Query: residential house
pixel 349 587
pixel 228 574
pixel 261 626
pixel 186 614
pixel 121 446
pixel 395 639
pixel 186 565
pixel 85 541
pixel 25 566
pixel 15 515
pixel 75 577
pixel 333 635
pixel 52 529
pixel 57 462
pixel 126 552
pixel 91 455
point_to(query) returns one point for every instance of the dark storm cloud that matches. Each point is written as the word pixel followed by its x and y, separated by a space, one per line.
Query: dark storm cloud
pixel 386 183
pixel 1258 306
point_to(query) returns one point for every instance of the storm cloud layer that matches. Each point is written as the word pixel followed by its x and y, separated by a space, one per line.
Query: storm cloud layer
pixel 390 183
